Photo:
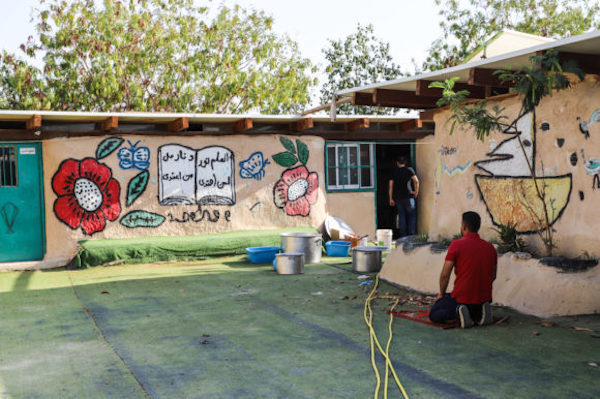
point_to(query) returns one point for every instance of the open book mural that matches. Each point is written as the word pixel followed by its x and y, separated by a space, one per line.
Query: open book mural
pixel 189 176
pixel 509 190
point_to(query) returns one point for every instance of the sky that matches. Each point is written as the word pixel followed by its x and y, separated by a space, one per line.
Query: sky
pixel 409 26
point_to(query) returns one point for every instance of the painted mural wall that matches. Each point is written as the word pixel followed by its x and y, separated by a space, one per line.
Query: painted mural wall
pixel 118 187
pixel 562 141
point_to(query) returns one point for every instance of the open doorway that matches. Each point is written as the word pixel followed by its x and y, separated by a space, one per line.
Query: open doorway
pixel 386 155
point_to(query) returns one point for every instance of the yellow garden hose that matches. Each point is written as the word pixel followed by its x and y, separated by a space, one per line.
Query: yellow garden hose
pixel 368 316
pixel 369 321
pixel 387 347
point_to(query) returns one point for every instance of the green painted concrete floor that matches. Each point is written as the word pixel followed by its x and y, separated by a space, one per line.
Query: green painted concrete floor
pixel 227 329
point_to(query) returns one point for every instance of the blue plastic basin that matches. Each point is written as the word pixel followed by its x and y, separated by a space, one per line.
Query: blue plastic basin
pixel 337 248
pixel 261 254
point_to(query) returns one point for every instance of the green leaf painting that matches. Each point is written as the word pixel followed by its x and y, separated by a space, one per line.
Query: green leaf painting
pixel 294 153
pixel 135 219
pixel 108 146
pixel 285 159
pixel 136 186
pixel 288 144
pixel 302 152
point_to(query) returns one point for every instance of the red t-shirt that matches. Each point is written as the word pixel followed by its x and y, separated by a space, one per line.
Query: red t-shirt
pixel 475 263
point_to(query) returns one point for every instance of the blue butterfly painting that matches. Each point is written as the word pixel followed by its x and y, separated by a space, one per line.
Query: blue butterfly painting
pixel 134 157
pixel 254 167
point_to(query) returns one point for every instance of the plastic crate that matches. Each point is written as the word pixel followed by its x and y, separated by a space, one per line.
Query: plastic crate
pixel 261 254
pixel 338 248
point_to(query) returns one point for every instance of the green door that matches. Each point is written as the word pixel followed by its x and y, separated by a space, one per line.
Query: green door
pixel 21 202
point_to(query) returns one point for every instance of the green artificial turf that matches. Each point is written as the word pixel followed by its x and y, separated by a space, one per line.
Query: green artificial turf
pixel 224 328
pixel 157 249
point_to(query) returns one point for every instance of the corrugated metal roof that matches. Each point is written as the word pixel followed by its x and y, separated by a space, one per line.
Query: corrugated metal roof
pixel 586 43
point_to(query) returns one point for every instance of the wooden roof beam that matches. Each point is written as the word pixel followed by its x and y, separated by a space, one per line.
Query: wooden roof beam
pixel 243 124
pixel 379 135
pixel 302 124
pixel 362 123
pixel 409 125
pixel 427 116
pixel 589 63
pixel 34 123
pixel 423 89
pixel 394 98
pixel 402 99
pixel 361 98
pixel 178 125
pixel 485 77
pixel 110 123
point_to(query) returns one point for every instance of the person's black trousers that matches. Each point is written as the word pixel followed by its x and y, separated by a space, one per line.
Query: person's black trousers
pixel 446 310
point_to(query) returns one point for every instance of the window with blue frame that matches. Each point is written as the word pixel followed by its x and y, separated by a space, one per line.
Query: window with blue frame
pixel 350 166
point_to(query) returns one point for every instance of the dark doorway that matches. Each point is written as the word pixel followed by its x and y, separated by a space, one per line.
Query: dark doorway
pixel 386 162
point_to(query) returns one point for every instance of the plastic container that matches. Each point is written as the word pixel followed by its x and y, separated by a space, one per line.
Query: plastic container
pixel 384 238
pixel 337 248
pixel 262 254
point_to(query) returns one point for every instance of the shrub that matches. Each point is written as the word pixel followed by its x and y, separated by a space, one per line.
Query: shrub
pixel 423 237
pixel 509 240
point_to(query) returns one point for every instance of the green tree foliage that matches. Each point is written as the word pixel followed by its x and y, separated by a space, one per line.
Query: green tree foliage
pixel 154 55
pixel 361 58
pixel 467 24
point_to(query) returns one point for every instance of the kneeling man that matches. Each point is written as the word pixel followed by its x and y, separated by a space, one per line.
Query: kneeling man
pixel 474 261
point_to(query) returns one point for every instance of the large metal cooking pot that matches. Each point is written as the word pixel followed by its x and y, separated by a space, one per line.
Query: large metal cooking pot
pixel 310 244
pixel 290 263
pixel 366 259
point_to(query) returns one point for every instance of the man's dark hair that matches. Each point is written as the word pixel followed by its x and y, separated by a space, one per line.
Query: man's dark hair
pixel 472 220
pixel 402 160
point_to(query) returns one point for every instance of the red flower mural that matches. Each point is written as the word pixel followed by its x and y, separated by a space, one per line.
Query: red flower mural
pixel 296 191
pixel 87 195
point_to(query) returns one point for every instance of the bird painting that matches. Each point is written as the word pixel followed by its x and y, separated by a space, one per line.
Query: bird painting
pixel 592 168
pixel 584 126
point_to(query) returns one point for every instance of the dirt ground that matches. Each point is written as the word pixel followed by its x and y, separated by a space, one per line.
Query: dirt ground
pixel 228 329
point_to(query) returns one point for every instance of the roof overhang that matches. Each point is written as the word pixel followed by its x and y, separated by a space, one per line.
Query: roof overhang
pixel 477 76
pixel 36 125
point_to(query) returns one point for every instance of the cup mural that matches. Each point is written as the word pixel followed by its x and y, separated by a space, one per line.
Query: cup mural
pixel 509 191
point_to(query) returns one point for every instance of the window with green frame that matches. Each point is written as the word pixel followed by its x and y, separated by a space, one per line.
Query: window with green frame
pixel 350 166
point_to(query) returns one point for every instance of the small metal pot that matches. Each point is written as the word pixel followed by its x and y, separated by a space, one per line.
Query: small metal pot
pixel 366 259
pixel 290 263
pixel 310 244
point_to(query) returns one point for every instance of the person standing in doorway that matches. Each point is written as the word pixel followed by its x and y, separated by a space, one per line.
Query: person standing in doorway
pixel 403 191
